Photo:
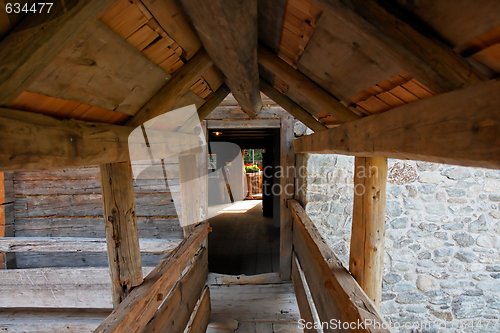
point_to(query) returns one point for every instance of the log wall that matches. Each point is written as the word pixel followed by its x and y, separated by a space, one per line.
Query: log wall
pixel 68 203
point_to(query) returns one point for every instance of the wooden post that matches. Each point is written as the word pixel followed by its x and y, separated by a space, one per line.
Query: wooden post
pixel 287 163
pixel 366 260
pixel 121 229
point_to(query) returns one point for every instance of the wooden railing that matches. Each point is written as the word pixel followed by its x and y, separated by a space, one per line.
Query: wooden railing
pixel 173 297
pixel 340 303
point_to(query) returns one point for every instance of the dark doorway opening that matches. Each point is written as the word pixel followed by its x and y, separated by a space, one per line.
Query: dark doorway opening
pixel 245 236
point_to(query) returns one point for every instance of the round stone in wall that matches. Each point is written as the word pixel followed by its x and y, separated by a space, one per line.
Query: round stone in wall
pixel 402 173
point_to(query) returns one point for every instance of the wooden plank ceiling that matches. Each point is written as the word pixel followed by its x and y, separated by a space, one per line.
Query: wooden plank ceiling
pixel 113 66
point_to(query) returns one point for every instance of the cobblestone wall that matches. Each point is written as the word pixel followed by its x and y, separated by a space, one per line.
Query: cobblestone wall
pixel 442 260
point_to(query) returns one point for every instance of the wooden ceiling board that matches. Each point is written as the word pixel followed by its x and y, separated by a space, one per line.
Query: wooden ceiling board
pixel 350 61
pixel 457 21
pixel 90 71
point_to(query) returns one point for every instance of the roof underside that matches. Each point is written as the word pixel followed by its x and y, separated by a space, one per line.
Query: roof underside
pixel 107 68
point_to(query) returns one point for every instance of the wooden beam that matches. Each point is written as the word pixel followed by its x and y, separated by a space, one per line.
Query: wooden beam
pixel 301 89
pixel 201 315
pixel 431 62
pixel 291 107
pixel 299 282
pixel 335 293
pixel 459 127
pixel 34 141
pixel 286 179
pixel 233 50
pixel 134 313
pixel 271 15
pixel 122 236
pixel 78 244
pixel 3 259
pixel 247 123
pixel 167 98
pixel 366 256
pixel 33 43
pixel 172 19
pixel 213 101
pixel 175 312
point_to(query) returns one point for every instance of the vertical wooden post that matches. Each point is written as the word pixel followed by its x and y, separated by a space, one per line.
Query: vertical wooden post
pixel 287 163
pixel 122 237
pixel 367 240
pixel 2 218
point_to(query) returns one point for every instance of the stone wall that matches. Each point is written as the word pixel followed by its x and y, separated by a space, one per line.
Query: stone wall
pixel 442 260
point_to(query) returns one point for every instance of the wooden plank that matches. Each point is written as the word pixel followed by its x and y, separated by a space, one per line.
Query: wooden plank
pixel 234 51
pixel 301 89
pixel 33 141
pixel 139 307
pixel 254 303
pixel 366 256
pixel 78 244
pixel 335 293
pixel 250 123
pixel 351 60
pixel 175 312
pixel 291 107
pixel 287 191
pixel 173 20
pixel 56 288
pixel 120 222
pixel 224 279
pixel 271 14
pixel 301 295
pixel 432 63
pixel 459 127
pixel 168 96
pixel 213 101
pixel 87 70
pixel 35 42
pixel 201 315
pixel 458 23
pixel 51 321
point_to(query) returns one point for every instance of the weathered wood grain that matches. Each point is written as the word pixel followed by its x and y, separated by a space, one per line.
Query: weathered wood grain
pixel 120 224
pixel 459 127
pixel 366 255
pixel 140 306
pixel 234 51
pixel 335 293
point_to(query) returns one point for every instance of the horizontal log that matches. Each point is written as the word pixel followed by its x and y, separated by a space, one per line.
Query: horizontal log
pixel 135 312
pixel 57 288
pixel 250 123
pixel 225 279
pixel 34 141
pixel 76 244
pixel 460 127
pixel 335 293
pixel 51 320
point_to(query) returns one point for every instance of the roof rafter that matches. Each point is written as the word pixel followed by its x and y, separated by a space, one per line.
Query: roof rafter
pixel 301 89
pixel 431 62
pixel 228 31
